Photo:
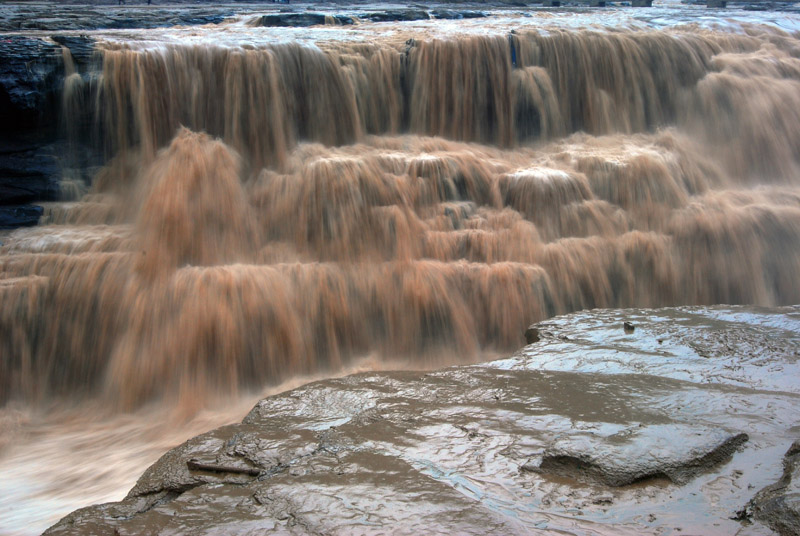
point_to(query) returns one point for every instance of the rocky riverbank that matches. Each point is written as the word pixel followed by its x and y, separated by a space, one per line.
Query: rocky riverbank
pixel 673 425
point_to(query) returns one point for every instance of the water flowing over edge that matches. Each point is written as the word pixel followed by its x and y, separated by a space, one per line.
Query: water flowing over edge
pixel 423 201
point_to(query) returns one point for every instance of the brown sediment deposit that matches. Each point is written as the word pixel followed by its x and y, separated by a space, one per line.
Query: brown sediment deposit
pixel 251 205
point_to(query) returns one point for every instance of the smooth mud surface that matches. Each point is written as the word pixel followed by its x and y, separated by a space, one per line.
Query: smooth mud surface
pixel 703 398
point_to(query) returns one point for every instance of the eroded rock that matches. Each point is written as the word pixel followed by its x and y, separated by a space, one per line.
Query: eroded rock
pixel 82 47
pixel 28 69
pixel 302 20
pixel 12 217
pixel 398 15
pixel 676 452
pixel 778 505
pixel 450 14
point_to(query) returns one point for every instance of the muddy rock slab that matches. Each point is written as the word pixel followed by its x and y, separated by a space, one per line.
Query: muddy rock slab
pixel 638 437
pixel 778 505
pixel 675 452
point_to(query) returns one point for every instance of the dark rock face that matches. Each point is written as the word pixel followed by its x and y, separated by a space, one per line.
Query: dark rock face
pixel 28 172
pixel 305 19
pixel 484 449
pixel 396 15
pixel 30 75
pixel 32 72
pixel 450 14
pixel 19 216
pixel 778 505
pixel 29 68
pixel 82 47
pixel 301 20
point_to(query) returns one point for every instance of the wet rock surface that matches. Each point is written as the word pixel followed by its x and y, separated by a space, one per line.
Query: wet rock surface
pixel 778 505
pixel 676 452
pixel 28 172
pixel 74 16
pixel 305 19
pixel 81 47
pixel 301 20
pixel 450 14
pixel 32 74
pixel 397 15
pixel 29 68
pixel 61 16
pixel 19 216
pixel 636 437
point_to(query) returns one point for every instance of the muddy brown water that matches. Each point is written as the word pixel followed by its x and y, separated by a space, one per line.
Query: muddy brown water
pixel 279 204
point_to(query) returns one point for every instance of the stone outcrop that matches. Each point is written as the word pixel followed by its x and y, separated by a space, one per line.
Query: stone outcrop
pixel 28 172
pixel 29 71
pixel 19 216
pixel 398 15
pixel 778 505
pixel 32 72
pixel 301 20
pixel 675 452
pixel 450 14
pixel 305 19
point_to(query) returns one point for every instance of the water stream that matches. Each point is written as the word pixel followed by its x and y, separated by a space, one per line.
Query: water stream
pixel 277 206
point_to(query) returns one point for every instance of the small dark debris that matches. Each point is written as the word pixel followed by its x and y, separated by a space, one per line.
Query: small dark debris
pixel 197 465
pixel 532 335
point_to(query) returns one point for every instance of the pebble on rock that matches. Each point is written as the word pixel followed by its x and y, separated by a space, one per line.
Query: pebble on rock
pixel 532 335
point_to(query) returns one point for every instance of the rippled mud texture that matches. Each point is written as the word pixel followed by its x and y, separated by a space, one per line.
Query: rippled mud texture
pixel 778 505
pixel 451 451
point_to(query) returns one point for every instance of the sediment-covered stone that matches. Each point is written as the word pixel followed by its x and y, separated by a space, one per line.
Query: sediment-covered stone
pixel 676 452
pixel 778 505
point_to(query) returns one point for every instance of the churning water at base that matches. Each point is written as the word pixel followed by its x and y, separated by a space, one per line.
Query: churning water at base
pixel 56 459
pixel 283 210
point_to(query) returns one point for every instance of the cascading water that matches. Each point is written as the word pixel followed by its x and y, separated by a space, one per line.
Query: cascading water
pixel 283 210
